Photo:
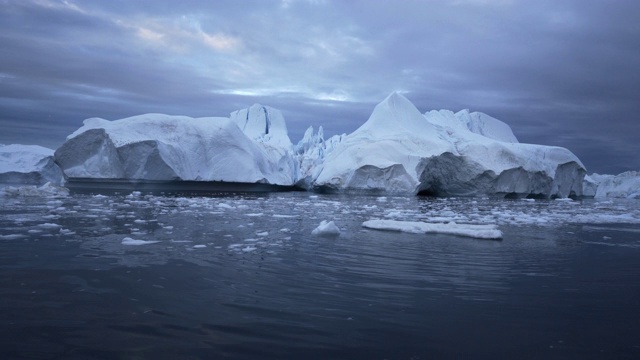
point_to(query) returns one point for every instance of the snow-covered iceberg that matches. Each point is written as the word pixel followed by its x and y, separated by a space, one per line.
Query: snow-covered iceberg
pixel 625 185
pixel 28 165
pixel 163 147
pixel 399 150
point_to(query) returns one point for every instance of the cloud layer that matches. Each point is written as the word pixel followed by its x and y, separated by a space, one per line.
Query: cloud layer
pixel 560 73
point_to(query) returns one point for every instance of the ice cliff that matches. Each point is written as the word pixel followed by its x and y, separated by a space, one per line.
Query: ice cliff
pixel 28 165
pixel 397 150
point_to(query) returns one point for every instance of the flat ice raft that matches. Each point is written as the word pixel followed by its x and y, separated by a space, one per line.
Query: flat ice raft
pixel 418 227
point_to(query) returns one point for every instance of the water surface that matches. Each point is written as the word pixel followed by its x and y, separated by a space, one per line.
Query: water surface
pixel 241 277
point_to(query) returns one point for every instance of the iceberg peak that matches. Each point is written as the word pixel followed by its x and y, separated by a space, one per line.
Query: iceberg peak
pixel 264 123
pixel 394 115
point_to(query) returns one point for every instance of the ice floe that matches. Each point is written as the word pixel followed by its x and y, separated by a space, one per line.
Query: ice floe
pixel 452 228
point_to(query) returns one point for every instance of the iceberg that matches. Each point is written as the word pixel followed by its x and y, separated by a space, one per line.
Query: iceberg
pixel 28 165
pixel 625 185
pixel 399 150
pixel 164 147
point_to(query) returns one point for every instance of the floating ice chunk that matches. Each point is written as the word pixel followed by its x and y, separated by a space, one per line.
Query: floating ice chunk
pixel 326 228
pixel 254 214
pixel 130 241
pixel 417 227
pixel 249 248
pixel 284 216
pixel 225 206
pixel 199 246
pixel 263 233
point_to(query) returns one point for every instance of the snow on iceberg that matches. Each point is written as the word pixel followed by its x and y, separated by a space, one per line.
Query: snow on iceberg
pixel 28 165
pixel 399 150
pixel 418 227
pixel 326 228
pixel 164 147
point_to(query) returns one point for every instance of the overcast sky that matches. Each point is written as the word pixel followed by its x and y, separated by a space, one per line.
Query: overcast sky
pixel 563 73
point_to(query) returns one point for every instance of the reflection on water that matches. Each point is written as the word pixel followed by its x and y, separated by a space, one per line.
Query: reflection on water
pixel 242 277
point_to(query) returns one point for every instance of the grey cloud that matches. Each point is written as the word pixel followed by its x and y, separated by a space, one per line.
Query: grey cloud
pixel 560 73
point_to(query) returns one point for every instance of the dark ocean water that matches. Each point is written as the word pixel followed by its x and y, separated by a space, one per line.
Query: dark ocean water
pixel 241 277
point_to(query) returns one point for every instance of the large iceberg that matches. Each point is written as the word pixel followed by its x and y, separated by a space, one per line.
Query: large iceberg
pixel 399 150
pixel 163 147
pixel 28 165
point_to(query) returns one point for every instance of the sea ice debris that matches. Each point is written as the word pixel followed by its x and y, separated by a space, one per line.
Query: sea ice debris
pixel 418 227
pixel 326 228
pixel 130 241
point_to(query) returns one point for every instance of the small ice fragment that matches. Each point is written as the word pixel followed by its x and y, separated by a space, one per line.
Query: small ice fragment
pixel 249 248
pixel 199 246
pixel 326 228
pixel 254 214
pixel 263 233
pixel 130 241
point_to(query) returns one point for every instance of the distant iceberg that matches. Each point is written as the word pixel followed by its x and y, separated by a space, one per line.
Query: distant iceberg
pixel 28 165
pixel 625 185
